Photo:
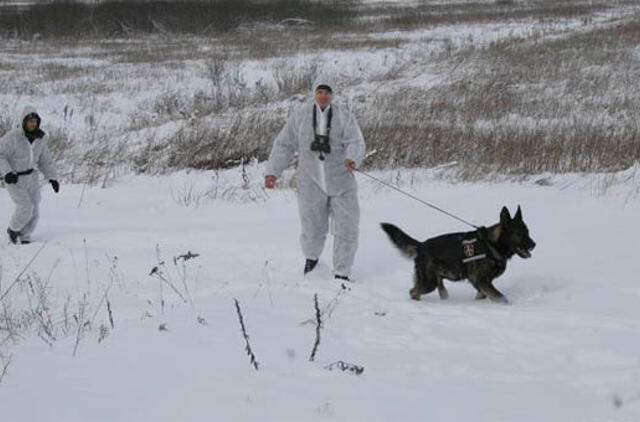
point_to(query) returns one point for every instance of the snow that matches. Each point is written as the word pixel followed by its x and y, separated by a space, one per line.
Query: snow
pixel 562 351
pixel 564 347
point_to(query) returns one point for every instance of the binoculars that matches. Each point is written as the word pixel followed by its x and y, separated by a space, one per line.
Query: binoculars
pixel 321 144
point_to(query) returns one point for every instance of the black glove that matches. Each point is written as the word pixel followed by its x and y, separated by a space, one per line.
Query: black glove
pixel 11 178
pixel 55 185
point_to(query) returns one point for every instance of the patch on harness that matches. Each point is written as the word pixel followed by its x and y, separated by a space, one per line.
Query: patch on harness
pixel 472 250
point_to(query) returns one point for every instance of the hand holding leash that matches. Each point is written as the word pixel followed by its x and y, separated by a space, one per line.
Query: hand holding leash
pixel 270 181
pixel 350 165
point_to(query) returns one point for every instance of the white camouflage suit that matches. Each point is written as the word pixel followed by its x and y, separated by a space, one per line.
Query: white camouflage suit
pixel 18 154
pixel 327 192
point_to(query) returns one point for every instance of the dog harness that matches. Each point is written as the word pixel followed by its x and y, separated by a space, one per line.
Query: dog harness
pixel 474 246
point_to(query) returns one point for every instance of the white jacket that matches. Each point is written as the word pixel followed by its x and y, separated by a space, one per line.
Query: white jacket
pixel 18 154
pixel 330 174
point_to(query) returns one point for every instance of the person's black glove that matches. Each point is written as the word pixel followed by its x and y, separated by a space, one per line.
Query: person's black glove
pixel 55 185
pixel 11 178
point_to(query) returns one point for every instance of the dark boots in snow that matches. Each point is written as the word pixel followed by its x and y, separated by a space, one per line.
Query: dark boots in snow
pixel 309 265
pixel 13 236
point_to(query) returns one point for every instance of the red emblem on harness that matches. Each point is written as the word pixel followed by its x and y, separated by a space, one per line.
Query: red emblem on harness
pixel 469 250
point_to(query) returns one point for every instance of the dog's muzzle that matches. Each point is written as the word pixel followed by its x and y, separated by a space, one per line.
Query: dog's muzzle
pixel 525 252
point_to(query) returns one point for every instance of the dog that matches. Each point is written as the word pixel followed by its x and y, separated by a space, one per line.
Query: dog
pixel 479 256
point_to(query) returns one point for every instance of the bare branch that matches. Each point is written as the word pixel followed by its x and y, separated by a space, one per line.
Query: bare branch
pixel 5 366
pixel 318 327
pixel 23 271
pixel 252 357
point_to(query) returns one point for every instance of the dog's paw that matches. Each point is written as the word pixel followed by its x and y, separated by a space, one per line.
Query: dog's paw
pixel 500 299
pixel 480 296
pixel 414 293
pixel 444 294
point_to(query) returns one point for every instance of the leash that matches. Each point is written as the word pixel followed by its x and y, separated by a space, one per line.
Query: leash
pixel 416 198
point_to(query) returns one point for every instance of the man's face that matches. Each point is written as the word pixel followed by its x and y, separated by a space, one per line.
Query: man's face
pixel 31 125
pixel 323 97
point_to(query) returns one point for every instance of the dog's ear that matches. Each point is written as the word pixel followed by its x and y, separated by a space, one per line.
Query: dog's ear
pixel 518 215
pixel 505 217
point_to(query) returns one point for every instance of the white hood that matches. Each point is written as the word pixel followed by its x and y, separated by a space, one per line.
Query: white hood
pixel 325 80
pixel 25 112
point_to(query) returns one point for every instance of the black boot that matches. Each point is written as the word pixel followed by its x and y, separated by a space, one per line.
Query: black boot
pixel 309 265
pixel 341 277
pixel 13 236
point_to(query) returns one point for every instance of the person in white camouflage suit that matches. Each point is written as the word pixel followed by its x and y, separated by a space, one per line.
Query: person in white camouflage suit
pixel 330 146
pixel 21 151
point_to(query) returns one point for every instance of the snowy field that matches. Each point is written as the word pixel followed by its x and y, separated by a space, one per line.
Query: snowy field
pixel 110 317
pixel 563 350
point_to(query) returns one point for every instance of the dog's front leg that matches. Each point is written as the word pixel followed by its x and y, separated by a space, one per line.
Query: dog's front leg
pixel 486 287
pixel 479 294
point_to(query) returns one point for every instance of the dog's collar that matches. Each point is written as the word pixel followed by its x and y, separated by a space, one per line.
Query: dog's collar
pixel 496 249
pixel 504 249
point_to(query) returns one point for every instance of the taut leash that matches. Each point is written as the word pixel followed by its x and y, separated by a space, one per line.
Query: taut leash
pixel 415 198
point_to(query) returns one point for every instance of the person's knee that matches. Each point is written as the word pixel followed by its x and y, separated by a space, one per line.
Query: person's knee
pixel 313 235
pixel 315 223
pixel 347 236
pixel 346 229
pixel 25 209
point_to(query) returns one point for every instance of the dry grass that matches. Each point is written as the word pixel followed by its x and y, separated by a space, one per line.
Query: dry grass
pixel 127 18
pixel 117 18
pixel 559 106
pixel 517 106
pixel 211 147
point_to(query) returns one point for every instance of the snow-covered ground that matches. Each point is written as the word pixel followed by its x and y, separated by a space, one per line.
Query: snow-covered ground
pixel 566 349
pixel 566 345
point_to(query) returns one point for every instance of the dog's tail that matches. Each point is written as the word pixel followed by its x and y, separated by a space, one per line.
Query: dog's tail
pixel 405 243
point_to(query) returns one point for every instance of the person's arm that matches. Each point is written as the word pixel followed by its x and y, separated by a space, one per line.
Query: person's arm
pixel 354 142
pixel 284 148
pixel 6 151
pixel 45 162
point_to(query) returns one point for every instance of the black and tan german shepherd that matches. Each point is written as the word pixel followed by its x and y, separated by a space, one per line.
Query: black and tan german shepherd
pixel 479 256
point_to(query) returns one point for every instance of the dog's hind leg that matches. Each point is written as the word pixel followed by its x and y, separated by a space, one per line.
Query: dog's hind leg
pixel 415 291
pixel 442 291
pixel 423 280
